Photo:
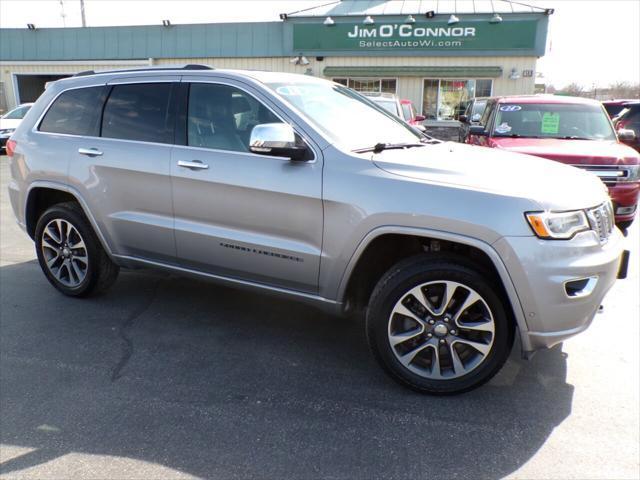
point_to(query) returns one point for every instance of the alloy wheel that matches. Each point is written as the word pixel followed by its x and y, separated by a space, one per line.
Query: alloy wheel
pixel 65 252
pixel 441 330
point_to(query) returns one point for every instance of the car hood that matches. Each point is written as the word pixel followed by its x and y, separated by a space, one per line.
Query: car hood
pixel 575 152
pixel 550 185
pixel 9 123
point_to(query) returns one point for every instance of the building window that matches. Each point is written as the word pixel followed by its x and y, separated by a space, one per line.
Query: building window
pixel 447 99
pixel 388 85
pixel 369 85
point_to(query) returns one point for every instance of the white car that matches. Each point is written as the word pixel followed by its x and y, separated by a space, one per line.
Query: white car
pixel 10 121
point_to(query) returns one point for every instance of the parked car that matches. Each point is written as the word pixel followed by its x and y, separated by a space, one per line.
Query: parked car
pixel 571 130
pixel 402 108
pixel 614 107
pixel 10 121
pixel 471 115
pixel 446 247
pixel 629 119
pixel 409 113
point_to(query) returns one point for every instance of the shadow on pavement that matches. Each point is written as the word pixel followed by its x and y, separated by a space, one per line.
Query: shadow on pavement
pixel 212 381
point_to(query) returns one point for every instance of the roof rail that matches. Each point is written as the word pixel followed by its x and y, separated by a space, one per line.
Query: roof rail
pixel 190 66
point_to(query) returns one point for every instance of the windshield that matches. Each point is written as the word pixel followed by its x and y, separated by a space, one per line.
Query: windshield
pixel 553 120
pixel 346 116
pixel 17 113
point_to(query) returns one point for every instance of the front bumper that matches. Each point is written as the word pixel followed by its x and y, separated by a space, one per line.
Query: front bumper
pixel 541 271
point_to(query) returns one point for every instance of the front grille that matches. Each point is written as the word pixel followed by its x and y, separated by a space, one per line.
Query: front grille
pixel 609 174
pixel 601 220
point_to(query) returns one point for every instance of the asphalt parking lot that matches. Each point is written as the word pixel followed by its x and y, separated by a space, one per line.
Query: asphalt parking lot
pixel 168 377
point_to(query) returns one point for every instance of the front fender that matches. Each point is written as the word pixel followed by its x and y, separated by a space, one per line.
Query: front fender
pixel 491 253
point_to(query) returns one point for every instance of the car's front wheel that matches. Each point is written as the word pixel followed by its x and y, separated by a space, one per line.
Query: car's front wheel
pixel 438 326
pixel 70 254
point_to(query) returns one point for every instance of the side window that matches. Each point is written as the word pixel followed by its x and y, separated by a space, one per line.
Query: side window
pixel 487 114
pixel 222 117
pixel 75 112
pixel 141 112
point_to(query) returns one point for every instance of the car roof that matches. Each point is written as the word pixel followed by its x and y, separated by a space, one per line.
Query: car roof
pixel 619 101
pixel 189 70
pixel 546 98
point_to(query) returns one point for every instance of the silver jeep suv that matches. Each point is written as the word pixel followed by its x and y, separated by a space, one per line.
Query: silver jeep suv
pixel 301 187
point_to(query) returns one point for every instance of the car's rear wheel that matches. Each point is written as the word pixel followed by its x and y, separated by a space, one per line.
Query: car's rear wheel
pixel 438 326
pixel 70 254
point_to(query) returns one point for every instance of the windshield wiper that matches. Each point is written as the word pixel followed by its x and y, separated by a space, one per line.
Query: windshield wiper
pixel 379 147
pixel 574 137
pixel 517 135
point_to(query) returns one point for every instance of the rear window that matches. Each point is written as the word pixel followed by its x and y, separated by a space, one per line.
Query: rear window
pixel 389 105
pixel 614 109
pixel 139 112
pixel 479 106
pixel 406 110
pixel 75 112
pixel 17 113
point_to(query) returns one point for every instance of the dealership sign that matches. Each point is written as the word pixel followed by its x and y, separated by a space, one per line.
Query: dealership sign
pixel 512 35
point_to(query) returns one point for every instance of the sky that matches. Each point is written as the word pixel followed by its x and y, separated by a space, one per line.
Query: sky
pixel 591 42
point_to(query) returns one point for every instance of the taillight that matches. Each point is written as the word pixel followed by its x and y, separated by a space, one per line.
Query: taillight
pixel 11 147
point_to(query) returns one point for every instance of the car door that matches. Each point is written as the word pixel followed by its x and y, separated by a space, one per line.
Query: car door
pixel 238 214
pixel 124 175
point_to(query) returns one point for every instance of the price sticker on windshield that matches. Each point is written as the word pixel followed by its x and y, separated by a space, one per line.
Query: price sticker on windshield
pixel 550 123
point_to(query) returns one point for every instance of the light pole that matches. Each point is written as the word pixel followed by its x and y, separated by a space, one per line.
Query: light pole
pixel 84 20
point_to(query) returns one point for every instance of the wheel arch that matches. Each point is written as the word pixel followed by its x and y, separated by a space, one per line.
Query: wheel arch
pixel 42 195
pixel 415 240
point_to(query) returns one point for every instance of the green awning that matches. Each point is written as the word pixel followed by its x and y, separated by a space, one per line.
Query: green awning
pixel 433 72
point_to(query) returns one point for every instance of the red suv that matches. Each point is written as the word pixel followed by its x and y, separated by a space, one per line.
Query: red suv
pixel 575 131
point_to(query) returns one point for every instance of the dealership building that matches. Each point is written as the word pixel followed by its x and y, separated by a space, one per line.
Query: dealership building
pixel 435 53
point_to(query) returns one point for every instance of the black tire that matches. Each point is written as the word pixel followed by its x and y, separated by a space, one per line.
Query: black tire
pixel 419 270
pixel 100 272
pixel 624 226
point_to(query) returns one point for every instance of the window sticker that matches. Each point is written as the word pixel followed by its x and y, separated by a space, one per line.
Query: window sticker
pixel 550 123
pixel 510 108
pixel 504 127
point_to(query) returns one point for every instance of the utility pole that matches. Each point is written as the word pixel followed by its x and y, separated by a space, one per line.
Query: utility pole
pixel 84 20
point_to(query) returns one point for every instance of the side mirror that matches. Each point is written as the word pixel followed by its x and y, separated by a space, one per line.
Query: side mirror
pixel 277 139
pixel 626 135
pixel 420 118
pixel 463 119
pixel 476 117
pixel 477 130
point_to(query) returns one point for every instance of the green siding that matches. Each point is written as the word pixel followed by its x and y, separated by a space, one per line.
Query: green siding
pixel 518 35
pixel 150 41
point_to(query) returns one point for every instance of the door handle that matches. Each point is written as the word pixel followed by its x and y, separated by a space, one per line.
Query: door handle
pixel 195 165
pixel 91 152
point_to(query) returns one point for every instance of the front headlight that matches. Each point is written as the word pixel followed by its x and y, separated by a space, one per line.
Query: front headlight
pixel 558 225
pixel 7 132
